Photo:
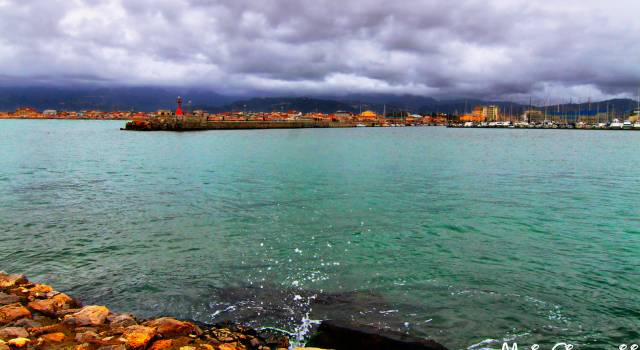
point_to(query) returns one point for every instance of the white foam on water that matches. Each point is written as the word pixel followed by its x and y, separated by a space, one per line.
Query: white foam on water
pixel 388 311
pixel 482 343
pixel 218 312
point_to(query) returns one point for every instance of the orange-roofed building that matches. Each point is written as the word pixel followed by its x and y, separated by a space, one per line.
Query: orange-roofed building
pixel 26 112
pixel 472 118
pixel 368 115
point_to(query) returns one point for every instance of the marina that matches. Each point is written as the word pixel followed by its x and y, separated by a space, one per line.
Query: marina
pixel 615 125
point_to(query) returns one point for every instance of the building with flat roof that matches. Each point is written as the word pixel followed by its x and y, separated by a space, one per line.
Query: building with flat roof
pixel 492 113
pixel 483 113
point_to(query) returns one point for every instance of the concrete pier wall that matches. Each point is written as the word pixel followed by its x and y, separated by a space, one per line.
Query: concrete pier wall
pixel 188 125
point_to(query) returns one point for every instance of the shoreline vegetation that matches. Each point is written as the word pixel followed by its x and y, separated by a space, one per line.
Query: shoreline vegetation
pixel 35 316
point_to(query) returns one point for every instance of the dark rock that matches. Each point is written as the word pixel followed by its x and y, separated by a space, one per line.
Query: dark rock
pixel 350 336
pixel 88 337
pixel 8 333
pixel 8 299
pixel 278 341
pixel 224 335
pixel 112 347
pixel 88 316
pixel 121 320
pixel 46 329
pixel 27 323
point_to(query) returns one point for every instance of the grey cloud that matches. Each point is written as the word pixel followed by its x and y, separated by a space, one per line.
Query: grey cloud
pixel 474 48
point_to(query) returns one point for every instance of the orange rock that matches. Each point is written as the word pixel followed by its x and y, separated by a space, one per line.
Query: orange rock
pixel 138 336
pixel 46 307
pixel 13 312
pixel 227 346
pixel 19 342
pixel 51 307
pixel 170 327
pixel 162 344
pixel 39 290
pixel 9 281
pixel 88 316
pixel 53 337
pixel 62 298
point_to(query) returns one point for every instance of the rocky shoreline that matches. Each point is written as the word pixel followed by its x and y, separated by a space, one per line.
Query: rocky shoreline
pixel 35 316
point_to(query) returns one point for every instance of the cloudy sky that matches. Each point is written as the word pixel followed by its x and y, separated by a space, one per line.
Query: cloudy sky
pixel 552 49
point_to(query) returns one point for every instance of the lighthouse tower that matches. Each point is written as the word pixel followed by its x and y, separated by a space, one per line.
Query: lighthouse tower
pixel 179 109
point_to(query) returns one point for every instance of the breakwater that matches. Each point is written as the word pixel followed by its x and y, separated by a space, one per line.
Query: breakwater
pixel 191 124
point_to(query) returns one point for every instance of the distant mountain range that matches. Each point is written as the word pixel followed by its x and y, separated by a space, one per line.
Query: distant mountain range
pixel 105 99
pixel 154 98
pixel 410 104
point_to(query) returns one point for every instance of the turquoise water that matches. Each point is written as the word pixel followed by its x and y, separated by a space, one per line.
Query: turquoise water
pixel 468 236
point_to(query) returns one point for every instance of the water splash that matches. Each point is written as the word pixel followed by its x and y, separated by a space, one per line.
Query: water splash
pixel 302 332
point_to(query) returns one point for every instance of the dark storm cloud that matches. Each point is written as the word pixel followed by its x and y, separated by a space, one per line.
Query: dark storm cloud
pixel 490 49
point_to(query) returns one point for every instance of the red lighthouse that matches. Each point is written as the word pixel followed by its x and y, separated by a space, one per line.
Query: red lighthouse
pixel 179 109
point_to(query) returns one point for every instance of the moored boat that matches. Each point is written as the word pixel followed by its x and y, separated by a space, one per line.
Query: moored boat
pixel 616 124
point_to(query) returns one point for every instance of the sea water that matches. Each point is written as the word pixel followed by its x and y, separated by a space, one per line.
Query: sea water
pixel 470 237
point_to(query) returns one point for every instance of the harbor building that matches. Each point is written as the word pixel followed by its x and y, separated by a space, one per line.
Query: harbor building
pixel 533 116
pixel 482 114
pixel 344 115
pixel 50 113
pixel 26 112
pixel 491 113
pixel 473 118
pixel 368 115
